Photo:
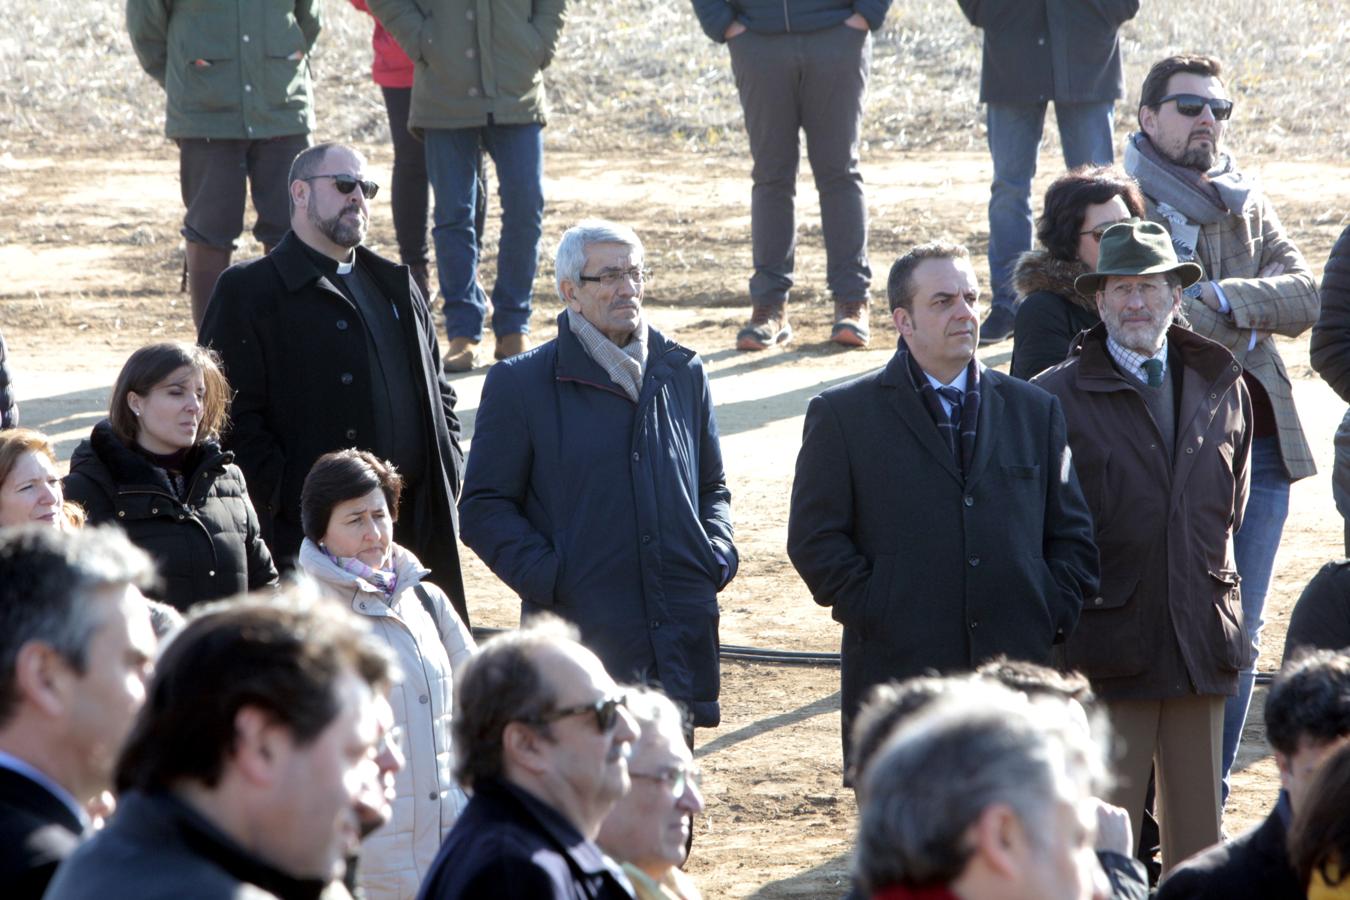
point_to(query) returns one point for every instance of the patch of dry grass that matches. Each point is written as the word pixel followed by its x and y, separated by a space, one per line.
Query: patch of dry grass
pixel 640 75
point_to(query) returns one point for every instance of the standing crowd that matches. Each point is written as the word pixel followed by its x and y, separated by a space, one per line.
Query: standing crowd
pixel 1051 617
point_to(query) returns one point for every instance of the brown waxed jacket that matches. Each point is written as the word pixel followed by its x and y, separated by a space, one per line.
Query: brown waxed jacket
pixel 1168 618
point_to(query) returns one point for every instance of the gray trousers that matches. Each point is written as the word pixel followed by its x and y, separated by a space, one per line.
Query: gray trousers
pixel 813 82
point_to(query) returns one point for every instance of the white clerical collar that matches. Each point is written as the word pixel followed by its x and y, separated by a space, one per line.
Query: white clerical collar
pixel 345 266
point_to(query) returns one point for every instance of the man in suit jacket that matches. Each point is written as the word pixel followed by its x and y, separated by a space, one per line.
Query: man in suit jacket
pixel 935 507
pixel 76 639
pixel 1307 718
pixel 328 346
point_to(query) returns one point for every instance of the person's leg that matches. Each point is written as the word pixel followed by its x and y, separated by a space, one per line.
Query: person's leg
pixel 409 189
pixel 1134 732
pixel 833 88
pixel 767 72
pixel 1014 140
pixel 1086 133
pixel 269 172
pixel 517 153
pixel 1254 547
pixel 1190 734
pixel 213 177
pixel 1340 475
pixel 452 163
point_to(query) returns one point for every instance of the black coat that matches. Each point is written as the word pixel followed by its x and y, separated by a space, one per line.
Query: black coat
pixel 9 410
pixel 607 512
pixel 204 548
pixel 1329 346
pixel 926 570
pixel 37 832
pixel 294 349
pixel 1050 313
pixel 1253 866
pixel 1037 51
pixel 158 848
pixel 508 845
pixel 1321 617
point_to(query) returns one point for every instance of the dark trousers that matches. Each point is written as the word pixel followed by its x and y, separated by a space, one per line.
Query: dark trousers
pixel 215 174
pixel 812 82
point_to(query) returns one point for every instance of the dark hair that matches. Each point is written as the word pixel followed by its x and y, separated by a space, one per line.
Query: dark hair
pixel 1036 680
pixel 900 284
pixel 1319 836
pixel 306 165
pixel 884 708
pixel 341 476
pixel 281 654
pixel 501 684
pixel 1067 200
pixel 150 365
pixel 1155 82
pixel 1310 700
pixel 48 579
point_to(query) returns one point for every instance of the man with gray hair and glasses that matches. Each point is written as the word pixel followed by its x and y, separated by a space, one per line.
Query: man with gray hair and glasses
pixel 985 800
pixel 595 488
pixel 75 650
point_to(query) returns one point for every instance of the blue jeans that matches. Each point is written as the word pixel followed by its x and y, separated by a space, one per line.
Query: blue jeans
pixel 1254 546
pixel 1085 136
pixel 517 153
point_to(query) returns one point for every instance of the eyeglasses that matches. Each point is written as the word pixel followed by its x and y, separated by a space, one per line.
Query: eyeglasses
pixel 612 277
pixel 676 778
pixel 1190 105
pixel 605 710
pixel 1099 231
pixel 345 184
pixel 1149 290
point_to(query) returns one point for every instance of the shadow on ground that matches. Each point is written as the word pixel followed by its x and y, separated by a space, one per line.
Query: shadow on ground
pixel 830 879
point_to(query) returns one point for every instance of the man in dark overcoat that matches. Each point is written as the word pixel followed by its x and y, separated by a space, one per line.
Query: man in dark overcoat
pixel 328 345
pixel 595 488
pixel 935 508
pixel 1158 422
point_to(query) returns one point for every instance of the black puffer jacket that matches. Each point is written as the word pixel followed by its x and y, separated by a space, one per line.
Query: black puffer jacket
pixel 9 410
pixel 1050 313
pixel 207 548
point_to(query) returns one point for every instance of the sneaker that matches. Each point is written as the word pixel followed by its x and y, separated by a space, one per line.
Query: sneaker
pixel 850 323
pixel 460 356
pixel 768 326
pixel 509 345
pixel 997 326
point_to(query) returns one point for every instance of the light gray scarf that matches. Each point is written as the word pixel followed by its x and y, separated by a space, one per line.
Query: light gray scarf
pixel 625 364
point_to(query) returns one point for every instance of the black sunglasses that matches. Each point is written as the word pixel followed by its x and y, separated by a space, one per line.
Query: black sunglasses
pixel 345 184
pixel 1190 105
pixel 606 711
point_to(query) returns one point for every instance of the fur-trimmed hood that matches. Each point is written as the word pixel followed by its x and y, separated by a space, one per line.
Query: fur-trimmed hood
pixel 1037 271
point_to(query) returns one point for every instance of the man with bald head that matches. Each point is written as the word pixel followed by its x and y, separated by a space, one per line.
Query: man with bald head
pixel 329 346
pixel 542 736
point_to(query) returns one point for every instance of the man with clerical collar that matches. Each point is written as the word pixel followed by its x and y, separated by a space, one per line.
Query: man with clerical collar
pixel 1256 284
pixel 328 345
pixel 595 489
pixel 251 766
pixel 542 737
pixel 1158 422
pixel 75 648
pixel 935 508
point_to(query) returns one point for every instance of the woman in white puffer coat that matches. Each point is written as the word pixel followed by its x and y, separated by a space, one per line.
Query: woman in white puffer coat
pixel 348 507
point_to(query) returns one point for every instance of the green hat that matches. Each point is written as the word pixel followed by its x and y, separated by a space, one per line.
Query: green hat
pixel 1136 247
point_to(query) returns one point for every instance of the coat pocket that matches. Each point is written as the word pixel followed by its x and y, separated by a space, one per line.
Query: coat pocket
pixel 865 618
pixel 1108 641
pixel 1228 642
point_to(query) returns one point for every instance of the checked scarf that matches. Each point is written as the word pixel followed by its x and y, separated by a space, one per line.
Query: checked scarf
pixel 383 580
pixel 962 445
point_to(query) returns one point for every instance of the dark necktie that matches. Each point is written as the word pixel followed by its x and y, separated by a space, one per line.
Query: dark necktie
pixel 953 396
pixel 1153 368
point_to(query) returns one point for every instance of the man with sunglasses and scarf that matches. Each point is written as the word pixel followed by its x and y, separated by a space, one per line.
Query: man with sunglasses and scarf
pixel 1256 284
pixel 328 345
pixel 542 738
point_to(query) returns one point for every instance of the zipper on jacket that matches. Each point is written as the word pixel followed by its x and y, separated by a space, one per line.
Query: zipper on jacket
pixel 787 17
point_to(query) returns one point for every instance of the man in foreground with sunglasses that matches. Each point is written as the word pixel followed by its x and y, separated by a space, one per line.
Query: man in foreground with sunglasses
pixel 327 346
pixel 542 738
pixel 1256 284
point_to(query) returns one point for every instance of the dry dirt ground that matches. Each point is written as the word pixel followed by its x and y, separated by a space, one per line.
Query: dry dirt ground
pixel 91 258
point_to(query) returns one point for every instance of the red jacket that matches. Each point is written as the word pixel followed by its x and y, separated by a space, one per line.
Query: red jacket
pixel 392 68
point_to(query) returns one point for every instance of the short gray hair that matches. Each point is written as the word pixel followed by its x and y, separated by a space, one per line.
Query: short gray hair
pixel 941 770
pixel 570 257
pixel 48 579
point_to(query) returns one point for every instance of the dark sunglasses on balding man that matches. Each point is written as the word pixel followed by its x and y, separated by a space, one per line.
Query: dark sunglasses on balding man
pixel 1190 105
pixel 345 184
pixel 606 711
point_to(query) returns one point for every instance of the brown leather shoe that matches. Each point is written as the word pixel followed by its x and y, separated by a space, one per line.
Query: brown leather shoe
pixel 461 355
pixel 768 325
pixel 509 345
pixel 850 323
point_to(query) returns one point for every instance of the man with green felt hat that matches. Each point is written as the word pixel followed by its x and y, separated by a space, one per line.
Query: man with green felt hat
pixel 1158 425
